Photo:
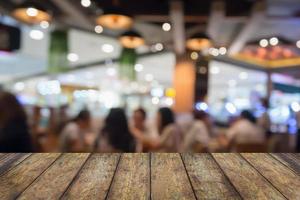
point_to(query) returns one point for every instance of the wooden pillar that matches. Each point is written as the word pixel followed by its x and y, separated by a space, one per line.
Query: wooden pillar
pixel 184 72
pixel 184 84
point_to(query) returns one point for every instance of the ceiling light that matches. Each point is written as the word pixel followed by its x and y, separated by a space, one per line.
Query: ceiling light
pixel 202 70
pixel 214 51
pixel 114 18
pixel 298 44
pixel 295 106
pixel 31 13
pixel 138 67
pixel 222 50
pixel 198 42
pixel 274 41
pixel 98 29
pixel 169 101
pixel 36 34
pixel 166 27
pixel 159 47
pixel 86 3
pixel 44 24
pixel 194 55
pixel 155 100
pixel 107 48
pixel 131 40
pixel 19 86
pixel 73 57
pixel 263 43
pixel 157 92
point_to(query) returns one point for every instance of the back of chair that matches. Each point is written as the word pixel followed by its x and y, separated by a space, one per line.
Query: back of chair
pixel 251 147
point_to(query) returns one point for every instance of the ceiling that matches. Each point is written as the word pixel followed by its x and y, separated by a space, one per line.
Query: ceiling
pixel 281 18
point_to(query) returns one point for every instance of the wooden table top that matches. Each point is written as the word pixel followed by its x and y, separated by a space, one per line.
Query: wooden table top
pixel 149 176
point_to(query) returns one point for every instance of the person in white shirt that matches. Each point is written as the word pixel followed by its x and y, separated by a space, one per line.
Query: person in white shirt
pixel 74 136
pixel 198 137
pixel 170 135
pixel 245 131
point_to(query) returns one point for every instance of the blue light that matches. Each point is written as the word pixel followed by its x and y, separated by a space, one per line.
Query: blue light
pixel 201 106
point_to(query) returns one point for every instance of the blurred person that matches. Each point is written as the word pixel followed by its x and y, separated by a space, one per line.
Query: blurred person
pixel 264 120
pixel 14 131
pixel 115 136
pixel 298 132
pixel 139 122
pixel 170 136
pixel 75 134
pixel 245 130
pixel 198 136
pixel 139 119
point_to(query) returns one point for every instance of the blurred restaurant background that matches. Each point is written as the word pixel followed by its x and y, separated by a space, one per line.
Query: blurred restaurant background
pixel 216 58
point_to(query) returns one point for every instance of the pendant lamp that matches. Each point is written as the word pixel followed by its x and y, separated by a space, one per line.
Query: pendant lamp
pixel 198 42
pixel 31 13
pixel 131 39
pixel 114 18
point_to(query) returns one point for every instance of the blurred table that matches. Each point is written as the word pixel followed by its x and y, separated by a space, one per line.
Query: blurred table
pixel 149 176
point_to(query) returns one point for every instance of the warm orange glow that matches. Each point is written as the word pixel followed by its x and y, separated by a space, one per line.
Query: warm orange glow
pixel 184 84
pixel 114 21
pixel 198 44
pixel 131 42
pixel 21 14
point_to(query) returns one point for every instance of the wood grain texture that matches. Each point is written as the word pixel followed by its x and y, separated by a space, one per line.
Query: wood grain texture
pixel 132 178
pixel 285 180
pixel 288 160
pixel 11 160
pixel 249 183
pixel 169 179
pixel 16 180
pixel 208 180
pixel 95 178
pixel 55 180
pixel 2 155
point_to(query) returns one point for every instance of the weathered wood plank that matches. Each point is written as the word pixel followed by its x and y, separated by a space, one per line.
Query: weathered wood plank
pixel 132 178
pixel 16 180
pixel 2 155
pixel 285 180
pixel 208 180
pixel 55 180
pixel 249 183
pixel 289 161
pixel 11 160
pixel 94 179
pixel 169 179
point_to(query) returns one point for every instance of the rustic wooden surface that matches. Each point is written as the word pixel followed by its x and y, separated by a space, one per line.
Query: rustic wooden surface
pixel 149 176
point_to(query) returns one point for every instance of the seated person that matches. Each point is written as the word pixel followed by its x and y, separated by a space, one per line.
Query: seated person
pixel 245 131
pixel 198 137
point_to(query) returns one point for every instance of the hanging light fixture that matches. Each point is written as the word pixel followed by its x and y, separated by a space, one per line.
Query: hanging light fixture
pixel 114 18
pixel 31 13
pixel 198 42
pixel 131 40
